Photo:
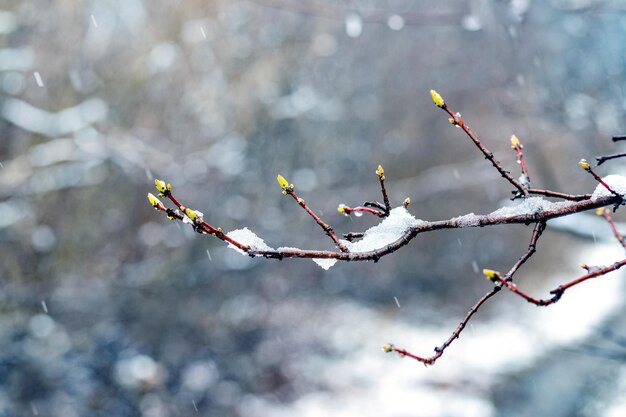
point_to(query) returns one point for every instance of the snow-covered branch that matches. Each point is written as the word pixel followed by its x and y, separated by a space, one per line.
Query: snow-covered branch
pixel 398 227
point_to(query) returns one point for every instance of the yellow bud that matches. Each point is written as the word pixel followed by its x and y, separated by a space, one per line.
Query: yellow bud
pixel 388 348
pixel 583 266
pixel 284 184
pixel 407 201
pixel 583 164
pixel 600 211
pixel 515 142
pixel 451 120
pixel 155 202
pixel 191 214
pixel 341 208
pixel 380 171
pixel 491 274
pixel 160 186
pixel 437 99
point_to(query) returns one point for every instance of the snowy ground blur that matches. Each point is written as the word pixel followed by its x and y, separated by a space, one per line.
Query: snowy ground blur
pixel 108 309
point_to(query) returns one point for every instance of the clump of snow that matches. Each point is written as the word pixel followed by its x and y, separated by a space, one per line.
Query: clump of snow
pixel 617 184
pixel 530 205
pixel 247 237
pixel 287 248
pixel 325 263
pixel 527 206
pixel 386 232
pixel 467 220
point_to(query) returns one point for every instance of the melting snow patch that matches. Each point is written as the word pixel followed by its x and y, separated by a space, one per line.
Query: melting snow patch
pixel 530 205
pixel 287 248
pixel 247 237
pixel 467 221
pixel 388 231
pixel 325 263
pixel 617 184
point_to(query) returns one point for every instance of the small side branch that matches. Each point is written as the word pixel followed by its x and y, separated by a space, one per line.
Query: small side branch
pixel 194 217
pixel 607 216
pixel 456 120
pixel 570 197
pixel 380 172
pixel 347 210
pixel 517 147
pixel 429 360
pixel 585 165
pixel 532 248
pixel 557 293
pixel 289 189
pixel 603 159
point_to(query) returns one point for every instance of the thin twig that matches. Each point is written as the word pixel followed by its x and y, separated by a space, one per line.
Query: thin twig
pixel 197 221
pixel 584 165
pixel 517 147
pixel 455 119
pixel 603 159
pixel 548 193
pixel 347 210
pixel 607 216
pixel 380 172
pixel 532 248
pixel 557 293
pixel 455 334
pixel 329 230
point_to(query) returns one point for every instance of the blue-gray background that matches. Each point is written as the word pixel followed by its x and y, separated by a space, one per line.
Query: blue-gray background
pixel 108 309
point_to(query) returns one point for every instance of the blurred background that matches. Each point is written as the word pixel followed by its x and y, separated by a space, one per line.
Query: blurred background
pixel 108 309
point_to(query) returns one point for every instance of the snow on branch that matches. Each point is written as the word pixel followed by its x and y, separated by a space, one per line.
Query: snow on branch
pixel 397 227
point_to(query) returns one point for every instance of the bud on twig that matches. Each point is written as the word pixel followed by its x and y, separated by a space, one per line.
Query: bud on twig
pixel 162 188
pixel 191 214
pixel 437 99
pixel 388 348
pixel 584 165
pixel 380 172
pixel 515 143
pixel 491 275
pixel 155 202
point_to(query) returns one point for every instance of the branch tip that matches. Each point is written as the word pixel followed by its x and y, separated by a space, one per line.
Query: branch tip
pixel 388 348
pixel 155 202
pixel 515 143
pixel 584 164
pixel 437 99
pixel 284 184
pixel 163 188
pixel 492 275
pixel 380 172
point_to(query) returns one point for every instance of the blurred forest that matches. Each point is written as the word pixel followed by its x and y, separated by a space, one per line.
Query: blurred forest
pixel 108 309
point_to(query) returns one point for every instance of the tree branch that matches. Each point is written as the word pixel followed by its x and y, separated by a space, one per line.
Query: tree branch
pixel 530 211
